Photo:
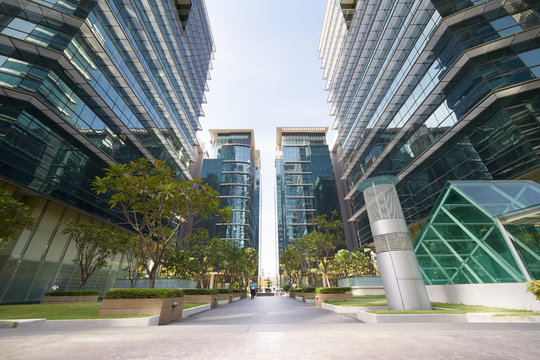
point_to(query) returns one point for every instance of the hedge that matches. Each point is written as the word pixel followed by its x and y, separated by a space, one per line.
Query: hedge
pixel 333 290
pixel 309 289
pixel 71 293
pixel 200 291
pixel 286 287
pixel 296 290
pixel 143 293
pixel 239 290
pixel 225 291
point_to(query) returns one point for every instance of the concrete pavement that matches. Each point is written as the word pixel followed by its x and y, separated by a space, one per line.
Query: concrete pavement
pixel 275 327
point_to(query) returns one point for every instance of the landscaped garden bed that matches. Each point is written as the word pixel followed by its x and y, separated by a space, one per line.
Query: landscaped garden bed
pixel 375 311
pixel 61 297
pixel 225 294
pixel 207 296
pixel 323 294
pixel 167 303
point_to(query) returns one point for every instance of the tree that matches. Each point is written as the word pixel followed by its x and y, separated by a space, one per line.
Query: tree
pixel 202 255
pixel 133 261
pixel 14 216
pixel 94 247
pixel 156 205
pixel 239 265
pixel 322 243
pixel 291 263
pixel 357 262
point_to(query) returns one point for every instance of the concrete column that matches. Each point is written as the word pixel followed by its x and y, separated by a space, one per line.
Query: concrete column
pixel 400 271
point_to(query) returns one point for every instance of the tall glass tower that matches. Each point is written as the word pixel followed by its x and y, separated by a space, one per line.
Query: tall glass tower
pixel 84 84
pixel 305 185
pixel 234 172
pixel 432 91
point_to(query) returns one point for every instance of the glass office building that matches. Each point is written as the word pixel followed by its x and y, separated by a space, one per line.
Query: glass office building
pixel 305 185
pixel 234 172
pixel 432 91
pixel 84 84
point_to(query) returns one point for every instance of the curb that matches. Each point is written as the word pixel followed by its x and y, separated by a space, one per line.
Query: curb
pixel 84 323
pixel 195 310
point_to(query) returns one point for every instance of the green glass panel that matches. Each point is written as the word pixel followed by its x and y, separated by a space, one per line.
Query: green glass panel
pixel 500 272
pixel 526 238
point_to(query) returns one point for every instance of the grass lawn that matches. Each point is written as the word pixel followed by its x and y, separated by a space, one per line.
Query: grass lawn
pixel 368 297
pixel 64 311
pixel 359 303
pixel 443 308
pixel 189 305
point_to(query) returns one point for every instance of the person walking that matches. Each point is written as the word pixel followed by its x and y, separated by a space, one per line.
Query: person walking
pixel 253 289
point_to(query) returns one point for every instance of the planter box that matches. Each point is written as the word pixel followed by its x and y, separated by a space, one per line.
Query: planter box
pixel 68 299
pixel 308 295
pixel 320 298
pixel 239 295
pixel 168 309
pixel 292 295
pixel 225 297
pixel 207 299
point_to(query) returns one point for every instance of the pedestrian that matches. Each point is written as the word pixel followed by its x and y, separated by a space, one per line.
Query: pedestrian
pixel 253 289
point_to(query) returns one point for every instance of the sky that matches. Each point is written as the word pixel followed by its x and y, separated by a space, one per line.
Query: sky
pixel 266 74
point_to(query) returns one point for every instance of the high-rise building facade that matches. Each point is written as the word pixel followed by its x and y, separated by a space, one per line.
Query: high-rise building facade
pixel 84 84
pixel 432 91
pixel 305 185
pixel 233 170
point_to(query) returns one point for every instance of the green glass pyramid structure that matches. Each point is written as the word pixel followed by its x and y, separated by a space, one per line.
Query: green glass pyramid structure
pixel 482 232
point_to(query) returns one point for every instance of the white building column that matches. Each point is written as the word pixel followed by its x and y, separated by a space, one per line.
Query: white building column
pixel 400 271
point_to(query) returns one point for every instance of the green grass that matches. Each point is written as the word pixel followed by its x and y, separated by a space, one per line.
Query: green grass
pixel 521 313
pixel 359 303
pixel 189 305
pixel 442 308
pixel 64 311
pixel 368 297
pixel 56 311
pixel 452 309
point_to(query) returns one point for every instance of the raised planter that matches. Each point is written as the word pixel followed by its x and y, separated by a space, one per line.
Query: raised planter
pixel 207 299
pixel 308 295
pixel 227 297
pixel 195 310
pixel 239 295
pixel 68 299
pixel 168 309
pixel 321 298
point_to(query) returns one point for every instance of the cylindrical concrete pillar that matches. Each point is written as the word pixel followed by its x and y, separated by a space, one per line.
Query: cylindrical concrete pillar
pixel 400 271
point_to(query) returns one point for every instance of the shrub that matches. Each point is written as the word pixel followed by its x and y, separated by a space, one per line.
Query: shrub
pixel 238 290
pixel 296 290
pixel 200 291
pixel 333 290
pixel 71 293
pixel 286 287
pixel 309 289
pixel 143 293
pixel 534 287
pixel 225 291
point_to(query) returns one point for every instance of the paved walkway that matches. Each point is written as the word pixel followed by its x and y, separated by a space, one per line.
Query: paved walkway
pixel 276 328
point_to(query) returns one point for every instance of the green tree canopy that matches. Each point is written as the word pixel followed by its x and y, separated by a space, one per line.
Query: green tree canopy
pixel 14 216
pixel 322 243
pixel 94 247
pixel 156 205
pixel 354 263
pixel 202 255
pixel 239 264
pixel 291 263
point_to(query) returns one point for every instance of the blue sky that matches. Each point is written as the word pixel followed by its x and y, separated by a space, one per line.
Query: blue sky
pixel 266 74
